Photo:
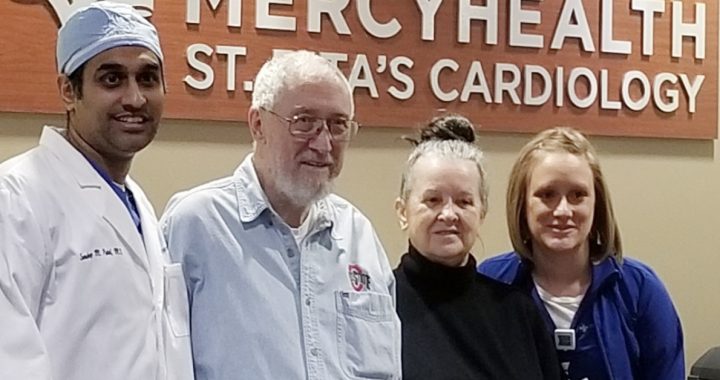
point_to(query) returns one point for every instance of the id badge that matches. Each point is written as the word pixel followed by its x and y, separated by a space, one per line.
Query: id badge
pixel 565 339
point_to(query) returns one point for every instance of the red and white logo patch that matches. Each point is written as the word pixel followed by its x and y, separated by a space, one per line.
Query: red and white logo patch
pixel 359 278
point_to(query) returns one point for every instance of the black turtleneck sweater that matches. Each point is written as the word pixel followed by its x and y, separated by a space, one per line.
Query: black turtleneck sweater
pixel 458 324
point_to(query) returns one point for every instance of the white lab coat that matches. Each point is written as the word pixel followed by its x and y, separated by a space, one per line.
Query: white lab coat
pixel 82 296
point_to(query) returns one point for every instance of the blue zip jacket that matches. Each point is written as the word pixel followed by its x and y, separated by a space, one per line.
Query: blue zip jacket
pixel 637 332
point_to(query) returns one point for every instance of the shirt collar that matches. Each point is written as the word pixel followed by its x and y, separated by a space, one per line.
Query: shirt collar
pixel 438 278
pixel 603 272
pixel 252 201
pixel 54 139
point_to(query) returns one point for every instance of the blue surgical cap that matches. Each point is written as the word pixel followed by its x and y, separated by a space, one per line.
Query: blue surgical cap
pixel 101 26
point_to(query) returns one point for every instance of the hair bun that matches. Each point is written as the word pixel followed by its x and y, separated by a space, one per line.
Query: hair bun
pixel 448 127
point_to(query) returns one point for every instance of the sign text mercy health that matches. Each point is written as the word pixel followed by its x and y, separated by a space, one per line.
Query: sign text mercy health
pixel 631 67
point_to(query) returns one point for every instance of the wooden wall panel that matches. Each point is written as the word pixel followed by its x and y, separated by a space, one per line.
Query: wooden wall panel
pixel 27 78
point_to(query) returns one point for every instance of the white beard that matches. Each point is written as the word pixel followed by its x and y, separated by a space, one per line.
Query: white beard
pixel 302 191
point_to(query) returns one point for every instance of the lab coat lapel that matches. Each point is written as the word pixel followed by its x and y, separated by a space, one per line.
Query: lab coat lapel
pixel 98 194
pixel 154 243
pixel 117 215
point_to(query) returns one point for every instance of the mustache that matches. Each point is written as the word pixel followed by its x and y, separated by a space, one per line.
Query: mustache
pixel 326 159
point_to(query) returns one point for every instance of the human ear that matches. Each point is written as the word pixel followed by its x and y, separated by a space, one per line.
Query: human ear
pixel 255 125
pixel 67 92
pixel 401 212
pixel 483 214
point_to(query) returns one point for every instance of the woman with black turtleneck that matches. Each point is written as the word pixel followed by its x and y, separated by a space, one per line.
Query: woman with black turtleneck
pixel 458 324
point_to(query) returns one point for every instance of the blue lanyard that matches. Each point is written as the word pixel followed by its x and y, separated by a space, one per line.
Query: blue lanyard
pixel 126 196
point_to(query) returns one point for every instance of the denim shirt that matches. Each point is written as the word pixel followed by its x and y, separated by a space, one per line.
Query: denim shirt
pixel 251 318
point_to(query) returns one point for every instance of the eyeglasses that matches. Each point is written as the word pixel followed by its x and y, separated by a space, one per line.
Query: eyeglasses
pixel 308 127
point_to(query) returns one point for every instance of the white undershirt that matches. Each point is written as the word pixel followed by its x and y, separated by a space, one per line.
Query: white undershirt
pixel 561 309
pixel 304 228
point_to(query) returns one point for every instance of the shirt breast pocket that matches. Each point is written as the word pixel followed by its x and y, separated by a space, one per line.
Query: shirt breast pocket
pixel 176 300
pixel 367 331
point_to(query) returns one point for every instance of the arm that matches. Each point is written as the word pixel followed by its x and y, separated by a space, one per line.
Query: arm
pixel 503 267
pixel 179 229
pixel 181 364
pixel 659 333
pixel 24 270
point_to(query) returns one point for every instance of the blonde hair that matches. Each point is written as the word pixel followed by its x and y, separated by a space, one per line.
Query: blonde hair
pixel 604 235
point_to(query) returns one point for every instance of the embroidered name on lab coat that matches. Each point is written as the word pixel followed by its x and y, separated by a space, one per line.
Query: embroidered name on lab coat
pixel 101 252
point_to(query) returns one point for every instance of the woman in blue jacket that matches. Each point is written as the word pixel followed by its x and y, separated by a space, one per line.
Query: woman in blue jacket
pixel 611 317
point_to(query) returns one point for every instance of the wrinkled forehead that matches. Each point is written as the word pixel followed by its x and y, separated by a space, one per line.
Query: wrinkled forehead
pixel 325 96
pixel 435 170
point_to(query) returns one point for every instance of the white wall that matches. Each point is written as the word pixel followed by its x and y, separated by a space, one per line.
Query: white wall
pixel 666 194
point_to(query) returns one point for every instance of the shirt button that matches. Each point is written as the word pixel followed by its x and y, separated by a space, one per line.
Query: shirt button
pixel 314 352
pixel 290 252
pixel 308 301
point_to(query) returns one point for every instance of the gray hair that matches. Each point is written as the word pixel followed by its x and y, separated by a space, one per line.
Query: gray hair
pixel 454 149
pixel 288 69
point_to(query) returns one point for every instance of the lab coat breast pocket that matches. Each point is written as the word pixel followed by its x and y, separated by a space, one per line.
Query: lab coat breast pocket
pixel 176 300
pixel 366 334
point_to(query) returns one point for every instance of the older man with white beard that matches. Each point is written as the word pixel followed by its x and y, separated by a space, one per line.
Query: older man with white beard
pixel 285 279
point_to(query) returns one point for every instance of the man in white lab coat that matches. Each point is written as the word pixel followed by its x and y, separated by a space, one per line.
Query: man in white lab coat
pixel 86 288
